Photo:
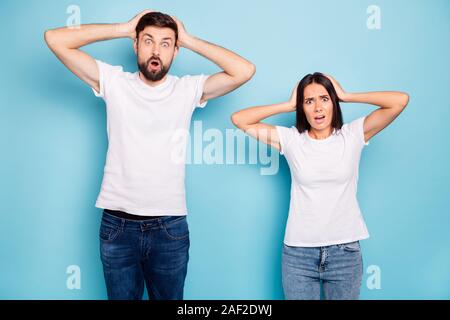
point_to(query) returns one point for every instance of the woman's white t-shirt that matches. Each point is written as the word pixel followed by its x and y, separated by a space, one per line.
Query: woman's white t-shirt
pixel 147 133
pixel 324 209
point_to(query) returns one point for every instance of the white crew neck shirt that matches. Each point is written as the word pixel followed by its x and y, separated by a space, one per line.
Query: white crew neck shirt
pixel 324 209
pixel 143 174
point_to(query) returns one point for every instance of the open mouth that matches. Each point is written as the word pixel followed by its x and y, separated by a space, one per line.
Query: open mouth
pixel 319 119
pixel 154 65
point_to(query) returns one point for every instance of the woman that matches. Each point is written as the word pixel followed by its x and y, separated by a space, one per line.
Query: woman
pixel 325 223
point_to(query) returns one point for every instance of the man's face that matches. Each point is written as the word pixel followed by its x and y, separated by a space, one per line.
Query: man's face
pixel 155 48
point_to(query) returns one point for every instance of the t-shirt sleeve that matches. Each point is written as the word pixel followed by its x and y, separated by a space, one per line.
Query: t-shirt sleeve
pixel 106 75
pixel 198 84
pixel 356 128
pixel 285 135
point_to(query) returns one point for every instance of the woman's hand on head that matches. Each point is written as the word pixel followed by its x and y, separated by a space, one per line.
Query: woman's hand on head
pixel 342 95
pixel 293 99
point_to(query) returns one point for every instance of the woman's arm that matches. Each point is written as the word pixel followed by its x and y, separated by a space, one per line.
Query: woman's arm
pixel 391 104
pixel 249 120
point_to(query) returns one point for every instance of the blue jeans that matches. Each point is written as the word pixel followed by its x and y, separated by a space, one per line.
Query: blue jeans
pixel 154 252
pixel 338 267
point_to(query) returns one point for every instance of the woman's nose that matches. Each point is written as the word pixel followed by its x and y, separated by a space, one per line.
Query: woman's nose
pixel 317 107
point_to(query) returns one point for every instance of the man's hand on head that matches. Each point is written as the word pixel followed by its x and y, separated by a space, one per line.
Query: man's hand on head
pixel 130 26
pixel 183 36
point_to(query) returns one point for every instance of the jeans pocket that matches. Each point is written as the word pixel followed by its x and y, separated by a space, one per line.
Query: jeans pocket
pixel 177 229
pixel 108 232
pixel 351 246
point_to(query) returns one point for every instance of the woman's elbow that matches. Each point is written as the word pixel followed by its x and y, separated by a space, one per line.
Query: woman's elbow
pixel 237 120
pixel 404 100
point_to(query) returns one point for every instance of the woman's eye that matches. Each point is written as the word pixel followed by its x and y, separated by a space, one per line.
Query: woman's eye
pixel 325 99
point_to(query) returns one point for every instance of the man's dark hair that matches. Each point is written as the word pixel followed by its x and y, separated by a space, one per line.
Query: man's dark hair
pixel 157 19
pixel 302 123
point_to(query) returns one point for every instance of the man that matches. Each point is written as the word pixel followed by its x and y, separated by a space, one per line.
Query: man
pixel 144 234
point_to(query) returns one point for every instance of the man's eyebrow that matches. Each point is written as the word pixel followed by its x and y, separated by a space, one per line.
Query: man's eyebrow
pixel 150 36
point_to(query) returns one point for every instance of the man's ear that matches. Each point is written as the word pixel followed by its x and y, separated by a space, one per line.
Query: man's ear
pixel 135 45
pixel 177 50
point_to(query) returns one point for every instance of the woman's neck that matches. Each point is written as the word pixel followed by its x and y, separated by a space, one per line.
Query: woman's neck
pixel 320 134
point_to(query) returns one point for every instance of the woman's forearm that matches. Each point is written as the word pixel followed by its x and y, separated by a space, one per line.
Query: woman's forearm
pixel 254 115
pixel 383 99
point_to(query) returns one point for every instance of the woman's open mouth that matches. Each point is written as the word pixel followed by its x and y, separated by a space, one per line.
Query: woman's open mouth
pixel 319 119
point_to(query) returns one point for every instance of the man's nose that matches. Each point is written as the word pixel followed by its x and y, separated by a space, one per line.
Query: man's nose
pixel 155 51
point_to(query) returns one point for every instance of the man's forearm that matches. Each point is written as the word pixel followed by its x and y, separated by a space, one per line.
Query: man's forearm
pixel 230 62
pixel 74 38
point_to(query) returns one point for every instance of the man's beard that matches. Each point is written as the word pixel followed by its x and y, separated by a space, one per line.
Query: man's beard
pixel 152 75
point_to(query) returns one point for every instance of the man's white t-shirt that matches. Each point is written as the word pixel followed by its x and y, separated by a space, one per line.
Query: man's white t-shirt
pixel 147 134
pixel 324 209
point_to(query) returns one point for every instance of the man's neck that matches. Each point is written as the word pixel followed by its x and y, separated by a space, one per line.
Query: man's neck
pixel 152 83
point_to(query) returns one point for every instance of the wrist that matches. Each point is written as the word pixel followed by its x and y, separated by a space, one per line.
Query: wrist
pixel 186 41
pixel 125 30
pixel 290 106
pixel 346 97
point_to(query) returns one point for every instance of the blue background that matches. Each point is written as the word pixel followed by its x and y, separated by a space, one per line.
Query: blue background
pixel 53 144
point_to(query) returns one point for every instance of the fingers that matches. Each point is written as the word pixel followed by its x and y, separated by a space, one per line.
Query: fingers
pixel 140 15
pixel 143 13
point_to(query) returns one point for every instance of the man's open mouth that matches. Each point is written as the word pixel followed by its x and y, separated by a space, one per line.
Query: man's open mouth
pixel 155 64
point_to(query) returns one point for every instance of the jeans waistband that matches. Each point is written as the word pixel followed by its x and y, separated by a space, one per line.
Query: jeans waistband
pixel 127 216
pixel 153 222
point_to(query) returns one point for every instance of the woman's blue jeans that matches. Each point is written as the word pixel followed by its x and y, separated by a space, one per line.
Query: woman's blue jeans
pixel 338 268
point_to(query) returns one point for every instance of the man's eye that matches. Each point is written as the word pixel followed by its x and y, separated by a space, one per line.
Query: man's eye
pixel 148 41
pixel 165 45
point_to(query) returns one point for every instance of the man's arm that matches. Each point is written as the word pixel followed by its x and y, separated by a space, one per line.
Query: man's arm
pixel 66 43
pixel 236 70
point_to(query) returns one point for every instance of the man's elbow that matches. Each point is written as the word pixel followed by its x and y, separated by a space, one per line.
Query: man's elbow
pixel 49 38
pixel 250 71
pixel 246 73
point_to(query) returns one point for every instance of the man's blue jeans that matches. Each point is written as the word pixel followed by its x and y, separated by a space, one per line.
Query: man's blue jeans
pixel 154 252
pixel 339 268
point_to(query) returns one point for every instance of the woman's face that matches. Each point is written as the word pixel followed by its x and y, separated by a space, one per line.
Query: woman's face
pixel 318 107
